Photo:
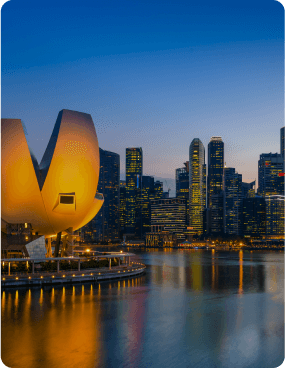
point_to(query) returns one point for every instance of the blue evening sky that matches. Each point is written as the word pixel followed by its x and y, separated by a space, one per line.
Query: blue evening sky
pixel 153 74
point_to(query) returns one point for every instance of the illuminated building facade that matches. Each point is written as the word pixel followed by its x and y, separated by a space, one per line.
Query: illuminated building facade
pixel 197 186
pixel 122 208
pixel 105 227
pixel 215 168
pixel 158 189
pixel 134 169
pixel 232 185
pixel 217 214
pixel 275 216
pixel 282 142
pixel 182 185
pixel 269 181
pixel 147 195
pixel 254 217
pixel 60 195
pixel 169 215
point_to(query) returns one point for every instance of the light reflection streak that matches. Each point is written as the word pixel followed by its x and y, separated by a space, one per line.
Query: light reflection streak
pixel 240 288
pixel 41 297
pixel 3 301
pixel 52 295
pixel 63 295
pixel 213 269
pixel 16 299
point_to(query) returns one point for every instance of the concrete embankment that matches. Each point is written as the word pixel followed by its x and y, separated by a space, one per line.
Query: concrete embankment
pixel 90 275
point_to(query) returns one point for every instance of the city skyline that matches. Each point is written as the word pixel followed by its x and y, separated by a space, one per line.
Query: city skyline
pixel 151 76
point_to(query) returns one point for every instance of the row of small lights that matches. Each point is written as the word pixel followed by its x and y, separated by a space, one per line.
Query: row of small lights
pixel 82 274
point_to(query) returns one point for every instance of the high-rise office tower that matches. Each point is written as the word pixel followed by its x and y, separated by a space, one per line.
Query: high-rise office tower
pixel 232 186
pixel 134 169
pixel 158 189
pixel 122 207
pixel 217 213
pixel 247 188
pixel 215 168
pixel 182 186
pixel 275 216
pixel 269 181
pixel 254 217
pixel 147 195
pixel 197 186
pixel 169 215
pixel 282 145
pixel 105 226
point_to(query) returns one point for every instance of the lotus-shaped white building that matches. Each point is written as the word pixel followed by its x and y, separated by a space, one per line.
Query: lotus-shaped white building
pixel 59 195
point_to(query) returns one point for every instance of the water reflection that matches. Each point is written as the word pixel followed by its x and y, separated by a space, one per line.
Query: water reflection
pixel 218 308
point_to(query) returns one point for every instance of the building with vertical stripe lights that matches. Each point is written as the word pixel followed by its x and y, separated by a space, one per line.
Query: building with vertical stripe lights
pixel 134 169
pixel 197 186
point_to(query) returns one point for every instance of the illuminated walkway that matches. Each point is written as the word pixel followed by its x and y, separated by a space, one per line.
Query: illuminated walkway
pixel 39 278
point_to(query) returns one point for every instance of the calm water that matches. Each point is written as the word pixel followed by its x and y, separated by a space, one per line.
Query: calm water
pixel 192 308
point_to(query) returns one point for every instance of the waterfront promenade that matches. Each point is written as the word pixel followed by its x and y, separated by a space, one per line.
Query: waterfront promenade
pixel 37 277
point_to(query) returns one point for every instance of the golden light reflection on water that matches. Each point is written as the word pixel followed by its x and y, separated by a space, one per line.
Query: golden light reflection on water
pixel 196 269
pixel 213 269
pixel 3 302
pixel 16 299
pixel 52 296
pixel 41 297
pixel 63 296
pixel 240 287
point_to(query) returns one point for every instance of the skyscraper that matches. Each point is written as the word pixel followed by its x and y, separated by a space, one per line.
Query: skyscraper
pixel 169 215
pixel 197 186
pixel 122 207
pixel 275 216
pixel 232 185
pixel 217 213
pixel 105 226
pixel 282 145
pixel 134 169
pixel 182 186
pixel 147 195
pixel 215 168
pixel 269 181
pixel 254 217
pixel 158 189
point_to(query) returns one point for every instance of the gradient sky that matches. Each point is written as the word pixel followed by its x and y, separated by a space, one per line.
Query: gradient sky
pixel 153 74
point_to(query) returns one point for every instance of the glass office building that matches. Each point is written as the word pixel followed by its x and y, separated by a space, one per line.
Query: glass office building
pixel 182 185
pixel 215 168
pixel 169 215
pixel 122 207
pixel 275 216
pixel 232 185
pixel 105 227
pixel 254 217
pixel 197 186
pixel 134 169
pixel 269 181
pixel 147 195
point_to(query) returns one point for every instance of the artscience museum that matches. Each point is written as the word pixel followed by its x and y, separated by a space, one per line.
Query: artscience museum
pixel 51 200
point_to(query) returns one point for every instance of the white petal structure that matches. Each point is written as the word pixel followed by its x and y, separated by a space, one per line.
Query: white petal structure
pixel 60 193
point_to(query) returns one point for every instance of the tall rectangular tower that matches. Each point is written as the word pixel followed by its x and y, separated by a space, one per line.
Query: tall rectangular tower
pixel 105 226
pixel 232 185
pixel 215 168
pixel 182 186
pixel 197 186
pixel 147 195
pixel 269 181
pixel 134 169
